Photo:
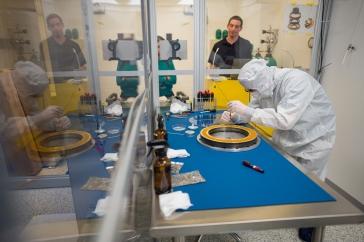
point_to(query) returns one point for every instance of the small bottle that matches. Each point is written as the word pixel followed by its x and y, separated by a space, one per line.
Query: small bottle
pixel 189 103
pixel 162 171
pixel 160 133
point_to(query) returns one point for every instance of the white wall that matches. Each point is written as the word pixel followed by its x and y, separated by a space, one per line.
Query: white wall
pixel 345 85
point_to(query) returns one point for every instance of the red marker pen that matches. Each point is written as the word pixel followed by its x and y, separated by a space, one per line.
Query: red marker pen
pixel 254 167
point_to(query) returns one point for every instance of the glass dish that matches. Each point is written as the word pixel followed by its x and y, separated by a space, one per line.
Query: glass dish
pixel 178 127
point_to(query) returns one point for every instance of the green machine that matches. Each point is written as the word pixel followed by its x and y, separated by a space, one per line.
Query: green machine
pixel 166 82
pixel 127 84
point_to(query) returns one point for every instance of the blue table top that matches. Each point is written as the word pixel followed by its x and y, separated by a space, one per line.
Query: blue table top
pixel 88 164
pixel 229 184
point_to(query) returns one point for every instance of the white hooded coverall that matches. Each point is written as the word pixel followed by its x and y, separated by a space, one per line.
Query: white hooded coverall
pixel 296 106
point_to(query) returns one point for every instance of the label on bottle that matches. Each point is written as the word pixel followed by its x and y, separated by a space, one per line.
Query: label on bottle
pixel 162 179
pixel 160 134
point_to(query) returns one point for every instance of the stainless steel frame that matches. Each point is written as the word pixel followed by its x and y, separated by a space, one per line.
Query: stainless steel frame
pixel 153 50
pixel 87 9
pixel 199 24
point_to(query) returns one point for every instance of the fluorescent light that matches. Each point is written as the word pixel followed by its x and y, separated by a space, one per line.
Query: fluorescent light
pixel 114 2
pixel 185 2
pixel 134 2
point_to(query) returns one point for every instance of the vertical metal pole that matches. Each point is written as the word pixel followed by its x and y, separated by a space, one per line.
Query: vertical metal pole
pixel 179 239
pixel 154 52
pixel 43 34
pixel 146 51
pixel 93 68
pixel 150 61
pixel 199 39
pixel 323 14
pixel 3 167
pixel 318 234
pixel 147 66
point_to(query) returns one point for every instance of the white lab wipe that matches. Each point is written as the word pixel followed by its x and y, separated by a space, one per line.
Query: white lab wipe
pixel 171 153
pixel 170 202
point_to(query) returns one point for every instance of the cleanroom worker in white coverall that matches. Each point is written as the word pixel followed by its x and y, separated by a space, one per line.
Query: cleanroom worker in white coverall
pixel 295 105
pixel 19 120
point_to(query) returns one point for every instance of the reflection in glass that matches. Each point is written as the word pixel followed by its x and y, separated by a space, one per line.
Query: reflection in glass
pixel 32 103
pixel 63 53
pixel 174 22
pixel 166 82
pixel 23 119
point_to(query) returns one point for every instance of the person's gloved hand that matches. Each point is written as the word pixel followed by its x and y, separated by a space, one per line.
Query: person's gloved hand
pixel 243 113
pixel 52 112
pixel 228 117
pixel 62 123
pixel 237 107
pixel 47 115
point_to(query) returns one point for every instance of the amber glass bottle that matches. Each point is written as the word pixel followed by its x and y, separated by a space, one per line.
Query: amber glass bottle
pixel 160 133
pixel 162 171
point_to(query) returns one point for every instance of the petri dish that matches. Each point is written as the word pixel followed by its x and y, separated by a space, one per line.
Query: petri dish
pixel 113 131
pixel 178 127
pixel 190 132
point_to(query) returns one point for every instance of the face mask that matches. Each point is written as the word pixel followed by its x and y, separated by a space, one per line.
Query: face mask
pixel 266 91
pixel 245 83
pixel 255 94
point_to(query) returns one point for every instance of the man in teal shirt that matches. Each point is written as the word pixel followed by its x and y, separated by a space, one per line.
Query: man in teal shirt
pixel 166 82
pixel 127 84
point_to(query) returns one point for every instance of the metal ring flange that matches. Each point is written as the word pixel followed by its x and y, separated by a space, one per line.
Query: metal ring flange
pixel 207 136
pixel 84 140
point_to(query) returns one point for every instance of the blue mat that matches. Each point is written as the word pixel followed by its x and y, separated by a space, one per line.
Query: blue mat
pixel 229 184
pixel 88 164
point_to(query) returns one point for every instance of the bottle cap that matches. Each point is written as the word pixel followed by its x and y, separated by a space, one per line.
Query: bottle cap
pixel 160 121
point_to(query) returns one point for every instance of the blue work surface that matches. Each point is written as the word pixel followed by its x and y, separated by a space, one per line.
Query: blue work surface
pixel 88 164
pixel 229 184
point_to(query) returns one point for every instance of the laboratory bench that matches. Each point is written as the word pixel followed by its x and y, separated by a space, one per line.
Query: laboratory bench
pixel 233 198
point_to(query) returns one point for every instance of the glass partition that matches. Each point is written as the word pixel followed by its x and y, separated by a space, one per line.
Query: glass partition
pixel 175 38
pixel 278 31
pixel 119 37
pixel 66 91
pixel 63 82
pixel 43 78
